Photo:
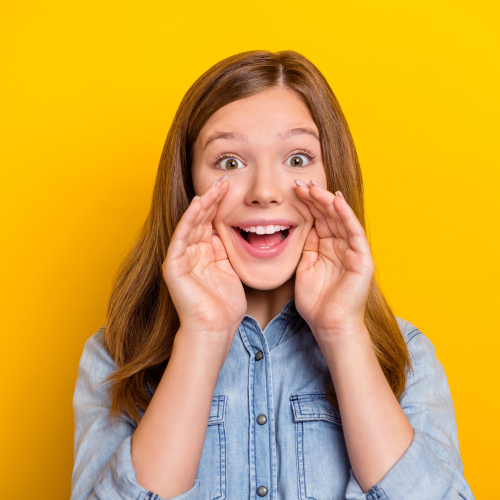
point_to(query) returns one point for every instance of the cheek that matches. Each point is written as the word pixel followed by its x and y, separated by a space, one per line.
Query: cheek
pixel 228 207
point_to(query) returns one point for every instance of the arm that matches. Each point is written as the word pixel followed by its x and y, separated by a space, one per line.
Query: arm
pixel 210 302
pixel 376 430
pixel 332 286
pixel 168 442
pixel 392 456
pixel 103 468
pixel 431 468
pixel 162 455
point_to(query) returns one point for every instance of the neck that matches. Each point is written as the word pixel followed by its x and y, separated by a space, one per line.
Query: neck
pixel 264 305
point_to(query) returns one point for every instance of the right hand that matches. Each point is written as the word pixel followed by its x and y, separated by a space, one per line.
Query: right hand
pixel 207 293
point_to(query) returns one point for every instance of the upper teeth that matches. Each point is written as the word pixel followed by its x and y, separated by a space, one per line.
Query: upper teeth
pixel 264 229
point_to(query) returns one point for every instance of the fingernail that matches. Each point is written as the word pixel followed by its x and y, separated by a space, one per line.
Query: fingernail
pixel 338 193
pixel 315 184
pixel 195 198
pixel 301 183
pixel 219 181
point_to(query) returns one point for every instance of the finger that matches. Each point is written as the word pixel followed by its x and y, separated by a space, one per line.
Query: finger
pixel 310 252
pixel 323 200
pixel 202 228
pixel 207 199
pixel 324 230
pixel 180 238
pixel 211 206
pixel 332 220
pixel 357 235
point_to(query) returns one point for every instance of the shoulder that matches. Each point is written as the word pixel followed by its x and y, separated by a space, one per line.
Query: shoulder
pixel 408 329
pixel 419 345
pixel 96 362
pixel 427 375
pixel 425 364
pixel 96 346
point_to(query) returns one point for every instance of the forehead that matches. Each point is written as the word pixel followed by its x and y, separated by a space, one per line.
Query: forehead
pixel 264 114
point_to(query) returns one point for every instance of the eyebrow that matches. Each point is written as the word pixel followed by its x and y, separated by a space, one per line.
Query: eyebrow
pixel 282 136
pixel 296 131
pixel 225 135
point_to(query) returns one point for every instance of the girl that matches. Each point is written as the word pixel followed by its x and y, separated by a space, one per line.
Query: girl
pixel 248 351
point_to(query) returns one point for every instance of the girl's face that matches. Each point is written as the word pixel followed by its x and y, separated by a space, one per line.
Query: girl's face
pixel 263 143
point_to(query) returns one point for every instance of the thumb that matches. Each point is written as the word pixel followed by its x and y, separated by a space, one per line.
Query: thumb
pixel 311 249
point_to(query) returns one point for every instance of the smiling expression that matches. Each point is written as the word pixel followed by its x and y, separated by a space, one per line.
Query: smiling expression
pixel 263 142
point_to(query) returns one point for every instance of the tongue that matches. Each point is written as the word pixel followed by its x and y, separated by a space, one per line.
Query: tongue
pixel 264 240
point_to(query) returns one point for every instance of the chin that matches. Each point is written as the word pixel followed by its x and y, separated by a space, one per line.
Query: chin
pixel 264 278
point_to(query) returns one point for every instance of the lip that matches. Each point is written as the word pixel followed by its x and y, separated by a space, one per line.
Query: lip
pixel 265 253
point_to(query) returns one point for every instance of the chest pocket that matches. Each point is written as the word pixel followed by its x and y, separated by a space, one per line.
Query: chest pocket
pixel 212 469
pixel 322 461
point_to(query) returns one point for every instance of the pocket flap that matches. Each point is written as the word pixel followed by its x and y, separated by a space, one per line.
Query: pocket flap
pixel 218 410
pixel 307 407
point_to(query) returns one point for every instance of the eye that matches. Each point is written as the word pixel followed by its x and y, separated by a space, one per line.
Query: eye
pixel 297 161
pixel 230 164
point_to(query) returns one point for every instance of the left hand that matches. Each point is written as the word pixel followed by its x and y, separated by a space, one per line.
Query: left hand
pixel 334 275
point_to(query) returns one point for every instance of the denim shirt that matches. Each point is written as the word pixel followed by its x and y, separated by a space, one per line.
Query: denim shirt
pixel 272 432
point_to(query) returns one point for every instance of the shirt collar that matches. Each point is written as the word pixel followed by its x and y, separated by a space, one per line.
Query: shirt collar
pixel 278 329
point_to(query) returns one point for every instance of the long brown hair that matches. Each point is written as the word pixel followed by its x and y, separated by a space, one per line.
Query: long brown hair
pixel 141 321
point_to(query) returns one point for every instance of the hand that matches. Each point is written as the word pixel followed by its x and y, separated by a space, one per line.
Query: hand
pixel 207 293
pixel 334 275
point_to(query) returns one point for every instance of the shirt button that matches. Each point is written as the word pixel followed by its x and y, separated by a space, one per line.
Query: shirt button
pixel 262 491
pixel 258 357
pixel 261 419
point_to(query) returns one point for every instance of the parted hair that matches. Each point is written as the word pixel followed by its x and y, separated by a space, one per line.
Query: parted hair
pixel 141 320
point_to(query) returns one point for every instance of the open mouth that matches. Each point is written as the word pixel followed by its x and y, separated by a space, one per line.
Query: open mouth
pixel 265 237
pixel 264 240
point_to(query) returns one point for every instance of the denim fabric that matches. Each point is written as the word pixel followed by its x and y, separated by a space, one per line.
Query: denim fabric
pixel 300 452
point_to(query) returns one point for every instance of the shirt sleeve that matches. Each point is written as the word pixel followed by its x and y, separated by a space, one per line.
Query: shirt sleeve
pixel 431 468
pixel 103 467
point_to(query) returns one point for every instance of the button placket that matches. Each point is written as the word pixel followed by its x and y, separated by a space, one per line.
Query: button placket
pixel 263 451
pixel 263 468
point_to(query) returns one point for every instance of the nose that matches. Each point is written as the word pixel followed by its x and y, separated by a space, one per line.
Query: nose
pixel 266 189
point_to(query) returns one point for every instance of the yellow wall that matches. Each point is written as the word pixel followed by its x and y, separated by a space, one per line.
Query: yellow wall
pixel 88 91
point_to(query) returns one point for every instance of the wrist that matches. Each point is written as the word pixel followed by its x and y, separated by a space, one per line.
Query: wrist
pixel 341 337
pixel 343 329
pixel 212 346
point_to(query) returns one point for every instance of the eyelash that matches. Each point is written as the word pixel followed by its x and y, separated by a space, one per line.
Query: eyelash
pixel 304 152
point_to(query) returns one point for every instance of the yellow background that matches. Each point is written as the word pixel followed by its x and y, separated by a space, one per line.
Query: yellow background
pixel 88 92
